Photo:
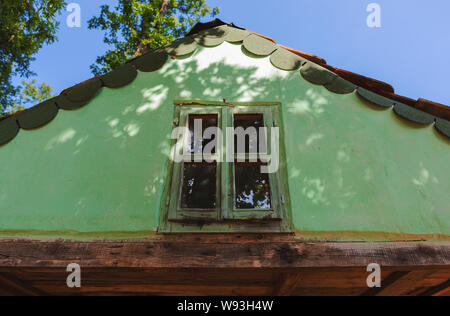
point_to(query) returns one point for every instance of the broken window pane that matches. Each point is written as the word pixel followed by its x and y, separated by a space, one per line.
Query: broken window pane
pixel 249 133
pixel 204 121
pixel 252 187
pixel 199 186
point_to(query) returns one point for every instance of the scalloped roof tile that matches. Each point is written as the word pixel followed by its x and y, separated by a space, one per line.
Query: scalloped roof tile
pixel 312 68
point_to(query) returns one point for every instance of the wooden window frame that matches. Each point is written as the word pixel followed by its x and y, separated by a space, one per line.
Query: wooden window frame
pixel 226 217
pixel 231 212
pixel 176 213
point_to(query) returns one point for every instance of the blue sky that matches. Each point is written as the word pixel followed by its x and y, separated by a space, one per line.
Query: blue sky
pixel 410 50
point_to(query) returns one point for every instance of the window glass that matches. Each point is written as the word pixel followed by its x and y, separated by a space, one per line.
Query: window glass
pixel 199 180
pixel 249 125
pixel 197 142
pixel 199 186
pixel 252 187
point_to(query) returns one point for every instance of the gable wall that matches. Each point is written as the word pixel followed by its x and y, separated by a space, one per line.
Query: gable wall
pixel 99 170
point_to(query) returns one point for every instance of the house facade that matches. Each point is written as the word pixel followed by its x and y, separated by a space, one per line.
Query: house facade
pixel 361 176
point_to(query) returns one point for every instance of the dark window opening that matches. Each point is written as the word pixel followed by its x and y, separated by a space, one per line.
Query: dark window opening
pixel 199 179
pixel 251 124
pixel 252 187
pixel 199 186
pixel 197 142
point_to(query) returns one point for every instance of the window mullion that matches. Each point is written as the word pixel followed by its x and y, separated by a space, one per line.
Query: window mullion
pixel 175 190
pixel 268 123
pixel 225 166
pixel 273 177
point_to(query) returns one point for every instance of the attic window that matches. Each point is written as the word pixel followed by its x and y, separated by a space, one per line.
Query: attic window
pixel 226 169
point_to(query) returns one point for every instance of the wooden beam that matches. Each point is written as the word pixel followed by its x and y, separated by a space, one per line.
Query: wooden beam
pixel 195 252
pixel 406 284
pixel 385 283
pixel 437 290
pixel 15 286
pixel 213 281
pixel 286 284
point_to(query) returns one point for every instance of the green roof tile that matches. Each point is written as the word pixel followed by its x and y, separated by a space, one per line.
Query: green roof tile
pixel 120 77
pixel 413 114
pixel 181 47
pixel 259 46
pixel 215 32
pixel 209 41
pixel 375 98
pixel 317 74
pixel 285 60
pixel 236 35
pixel 8 130
pixel 152 61
pixel 85 91
pixel 38 116
pixel 443 126
pixel 79 96
pixel 341 86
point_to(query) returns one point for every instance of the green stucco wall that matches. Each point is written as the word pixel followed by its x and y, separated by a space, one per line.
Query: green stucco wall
pixel 352 167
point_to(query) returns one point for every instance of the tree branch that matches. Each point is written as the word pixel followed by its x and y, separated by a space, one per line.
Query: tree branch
pixel 4 44
pixel 163 10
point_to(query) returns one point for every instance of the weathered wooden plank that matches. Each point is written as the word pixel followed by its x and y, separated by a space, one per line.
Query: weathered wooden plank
pixel 286 284
pixel 311 291
pixel 15 286
pixel 198 254
pixel 337 278
pixel 386 283
pixel 437 290
pixel 406 284
pixel 194 277
pixel 160 289
pixel 214 281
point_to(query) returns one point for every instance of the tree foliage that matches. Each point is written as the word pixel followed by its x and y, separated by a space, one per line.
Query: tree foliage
pixel 25 26
pixel 30 94
pixel 134 27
